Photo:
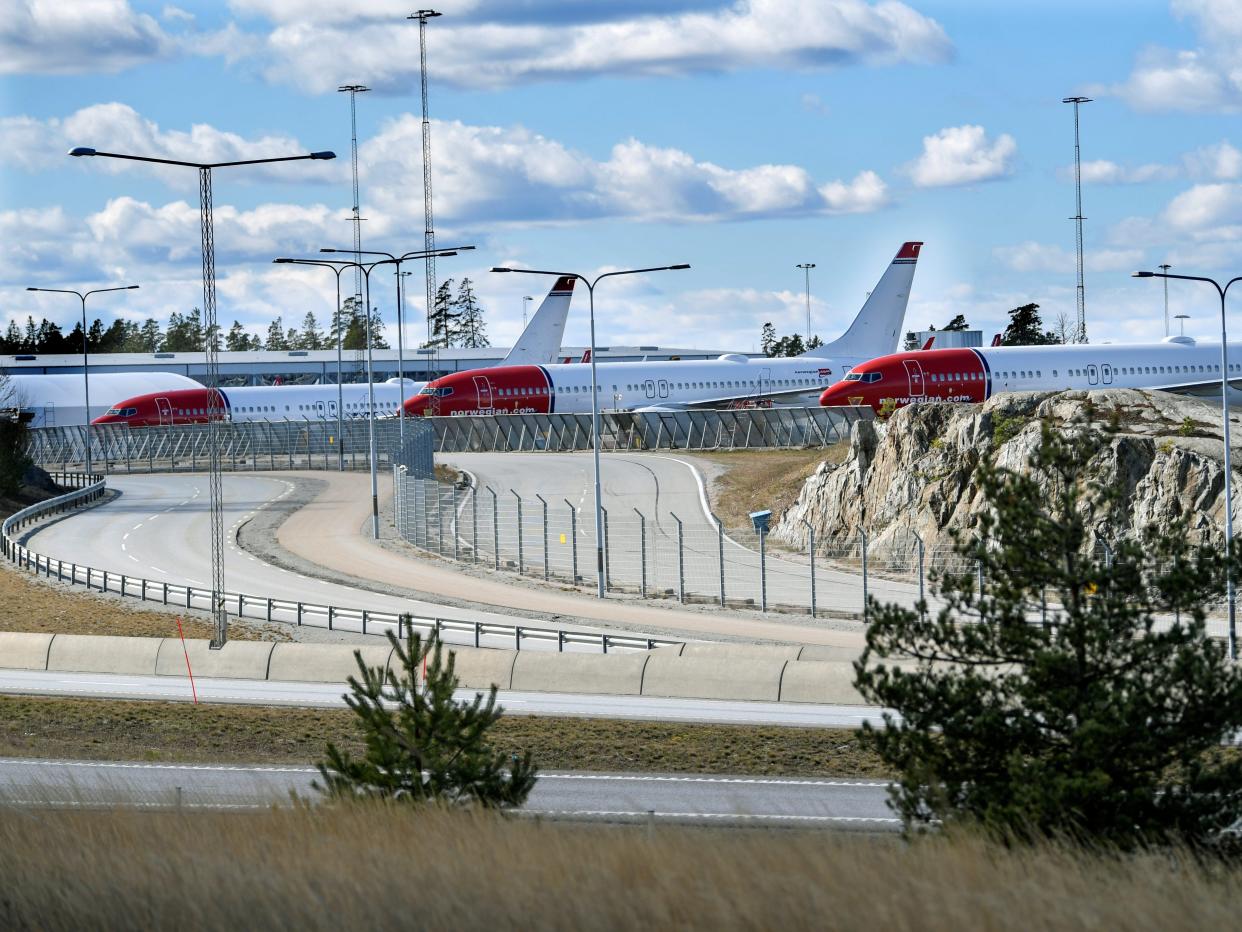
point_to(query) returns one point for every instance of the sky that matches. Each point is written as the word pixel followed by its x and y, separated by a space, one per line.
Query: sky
pixel 587 136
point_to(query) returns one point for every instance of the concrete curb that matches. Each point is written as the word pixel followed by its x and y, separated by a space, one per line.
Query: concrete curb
pixel 732 672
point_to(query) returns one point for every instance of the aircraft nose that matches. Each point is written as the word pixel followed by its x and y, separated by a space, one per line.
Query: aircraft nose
pixel 835 395
pixel 416 406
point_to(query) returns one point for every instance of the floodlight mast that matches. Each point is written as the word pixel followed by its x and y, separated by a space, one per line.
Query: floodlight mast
pixel 211 330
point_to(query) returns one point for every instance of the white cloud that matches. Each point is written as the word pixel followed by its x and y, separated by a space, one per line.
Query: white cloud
pixel 510 175
pixel 1205 78
pixel 32 144
pixel 1031 256
pixel 319 48
pixel 82 36
pixel 1221 162
pixel 962 155
pixel 1102 171
pixel 1204 206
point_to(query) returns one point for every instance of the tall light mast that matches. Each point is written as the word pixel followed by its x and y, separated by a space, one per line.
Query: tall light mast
pixel 429 233
pixel 1078 218
pixel 354 90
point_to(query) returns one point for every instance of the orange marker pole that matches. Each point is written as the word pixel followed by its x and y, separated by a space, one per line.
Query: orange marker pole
pixel 184 650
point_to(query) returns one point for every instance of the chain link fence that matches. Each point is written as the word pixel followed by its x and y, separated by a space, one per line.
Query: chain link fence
pixel 657 555
pixel 726 429
pixel 248 446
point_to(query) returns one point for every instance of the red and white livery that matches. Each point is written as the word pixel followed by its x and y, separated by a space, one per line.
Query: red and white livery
pixel 1176 364
pixel 731 380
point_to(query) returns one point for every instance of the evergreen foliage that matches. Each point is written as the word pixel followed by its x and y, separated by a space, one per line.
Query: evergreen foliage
pixel 1027 329
pixel 793 345
pixel 422 745
pixel 1053 702
pixel 444 316
pixel 471 329
pixel 958 323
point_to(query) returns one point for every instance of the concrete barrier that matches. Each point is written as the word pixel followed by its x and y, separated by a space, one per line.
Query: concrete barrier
pixel 743 651
pixel 601 674
pixel 86 653
pixel 481 668
pixel 239 660
pixel 819 681
pixel 322 663
pixel 713 678
pixel 20 651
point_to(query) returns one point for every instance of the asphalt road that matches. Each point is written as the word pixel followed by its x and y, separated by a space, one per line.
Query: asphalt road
pixel 158 528
pixel 642 552
pixel 819 802
pixel 329 695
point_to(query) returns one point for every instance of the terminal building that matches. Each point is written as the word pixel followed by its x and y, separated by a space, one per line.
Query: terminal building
pixel 309 367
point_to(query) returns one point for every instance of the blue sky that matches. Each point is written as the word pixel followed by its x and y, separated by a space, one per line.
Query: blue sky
pixel 740 137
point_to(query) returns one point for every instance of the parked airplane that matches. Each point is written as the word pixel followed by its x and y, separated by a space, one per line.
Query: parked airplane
pixel 1176 364
pixel 59 400
pixel 541 341
pixel 731 379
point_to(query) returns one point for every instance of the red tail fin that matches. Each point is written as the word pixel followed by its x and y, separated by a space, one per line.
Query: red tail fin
pixel 996 340
pixel 928 344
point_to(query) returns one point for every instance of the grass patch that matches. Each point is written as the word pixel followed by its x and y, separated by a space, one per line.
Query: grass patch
pixel 178 732
pixel 755 479
pixel 388 867
pixel 30 605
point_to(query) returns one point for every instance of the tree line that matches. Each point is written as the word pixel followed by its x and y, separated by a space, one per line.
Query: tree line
pixel 457 320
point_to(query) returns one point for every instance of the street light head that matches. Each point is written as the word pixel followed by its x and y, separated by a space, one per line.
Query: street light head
pixel 31 288
pixel 282 260
pixel 499 269
pixel 131 287
pixel 1075 100
pixel 81 150
pixel 1143 275
pixel 323 156
pixel 683 265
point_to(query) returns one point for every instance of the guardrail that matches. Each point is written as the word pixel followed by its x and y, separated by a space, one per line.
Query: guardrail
pixel 262 608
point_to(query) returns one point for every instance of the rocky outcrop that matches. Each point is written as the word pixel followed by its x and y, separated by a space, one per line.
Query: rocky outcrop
pixel 916 473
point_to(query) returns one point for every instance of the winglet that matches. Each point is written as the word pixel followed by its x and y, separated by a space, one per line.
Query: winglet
pixel 996 340
pixel 586 355
pixel 928 344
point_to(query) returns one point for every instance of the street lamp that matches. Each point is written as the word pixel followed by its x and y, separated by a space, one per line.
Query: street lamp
pixel 1164 267
pixel 1181 318
pixel 214 406
pixel 1224 404
pixel 417 254
pixel 599 514
pixel 86 380
pixel 365 268
pixel 526 299
pixel 807 266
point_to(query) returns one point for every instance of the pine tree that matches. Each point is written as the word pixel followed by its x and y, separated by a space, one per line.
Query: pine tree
pixel 814 343
pixel 151 335
pixel 1026 328
pixel 341 319
pixel 13 338
pixel 957 323
pixel 311 337
pixel 471 329
pixel 377 330
pixel 767 339
pixel 276 336
pixel 1053 701
pixel 443 316
pixel 422 745
pixel 237 340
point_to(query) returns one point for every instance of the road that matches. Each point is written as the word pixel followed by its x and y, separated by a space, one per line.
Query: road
pixel 329 695
pixel 813 802
pixel 158 528
pixel 645 495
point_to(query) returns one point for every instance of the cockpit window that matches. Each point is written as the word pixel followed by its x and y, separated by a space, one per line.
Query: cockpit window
pixel 114 412
pixel 854 377
pixel 441 392
pixel 129 412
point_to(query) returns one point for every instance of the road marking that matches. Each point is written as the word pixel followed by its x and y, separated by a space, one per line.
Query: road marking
pixel 127 765
pixel 748 781
pixel 614 813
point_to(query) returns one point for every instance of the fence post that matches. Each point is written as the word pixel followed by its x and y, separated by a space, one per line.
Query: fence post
pixel 862 535
pixel 521 560
pixel 763 570
pixel 810 549
pixel 456 536
pixel 573 538
pixel 495 530
pixel 299 614
pixel 544 505
pixel 681 560
pixel 474 519
pixel 642 554
pixel 435 485
pixel 919 540
pixel 720 552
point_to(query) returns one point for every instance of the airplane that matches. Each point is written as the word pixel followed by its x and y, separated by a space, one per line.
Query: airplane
pixel 59 400
pixel 540 342
pixel 729 380
pixel 1175 364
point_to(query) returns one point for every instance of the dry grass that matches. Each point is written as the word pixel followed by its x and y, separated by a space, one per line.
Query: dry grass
pixel 755 479
pixel 30 605
pixel 377 868
pixel 170 731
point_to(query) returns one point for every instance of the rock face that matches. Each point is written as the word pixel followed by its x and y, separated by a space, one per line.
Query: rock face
pixel 916 473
